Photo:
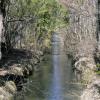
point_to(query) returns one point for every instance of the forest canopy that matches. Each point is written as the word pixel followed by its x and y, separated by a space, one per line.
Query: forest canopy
pixel 32 21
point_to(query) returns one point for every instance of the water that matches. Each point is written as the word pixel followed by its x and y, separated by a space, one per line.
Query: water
pixel 54 81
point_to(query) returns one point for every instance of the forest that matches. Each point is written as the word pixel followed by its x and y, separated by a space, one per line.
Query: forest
pixel 49 50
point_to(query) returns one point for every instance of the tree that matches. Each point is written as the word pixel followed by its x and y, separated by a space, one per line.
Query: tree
pixel 32 22
pixel 81 34
pixel 82 25
pixel 2 17
pixel 29 23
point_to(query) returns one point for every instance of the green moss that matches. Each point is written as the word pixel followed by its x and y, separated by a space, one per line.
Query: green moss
pixel 98 72
pixel 98 69
pixel 88 75
pixel 98 65
pixel 42 17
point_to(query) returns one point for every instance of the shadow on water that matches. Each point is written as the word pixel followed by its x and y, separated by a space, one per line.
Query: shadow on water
pixel 54 79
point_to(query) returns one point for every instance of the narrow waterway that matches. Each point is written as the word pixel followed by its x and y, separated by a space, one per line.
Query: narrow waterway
pixel 54 79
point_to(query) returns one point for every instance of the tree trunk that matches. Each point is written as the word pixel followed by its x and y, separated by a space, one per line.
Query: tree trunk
pixel 4 37
pixel 98 28
pixel 1 30
pixel 2 15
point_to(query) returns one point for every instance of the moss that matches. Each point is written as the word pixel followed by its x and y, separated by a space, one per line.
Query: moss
pixel 98 65
pixel 98 69
pixel 98 72
pixel 88 75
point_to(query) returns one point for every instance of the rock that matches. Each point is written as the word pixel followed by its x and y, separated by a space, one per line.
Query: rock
pixel 39 53
pixel 91 94
pixel 2 91
pixel 3 72
pixel 2 97
pixel 85 67
pixel 93 90
pixel 35 61
pixel 10 87
pixel 16 71
pixel 7 92
pixel 85 62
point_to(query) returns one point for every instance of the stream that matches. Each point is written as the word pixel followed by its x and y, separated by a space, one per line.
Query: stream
pixel 55 78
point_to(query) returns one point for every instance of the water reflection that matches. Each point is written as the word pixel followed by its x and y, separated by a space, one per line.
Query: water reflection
pixel 52 81
pixel 56 85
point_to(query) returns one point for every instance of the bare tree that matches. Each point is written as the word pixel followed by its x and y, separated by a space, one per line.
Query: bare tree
pixel 80 40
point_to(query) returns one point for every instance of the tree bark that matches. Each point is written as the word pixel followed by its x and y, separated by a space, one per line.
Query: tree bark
pixel 2 15
pixel 4 36
pixel 1 28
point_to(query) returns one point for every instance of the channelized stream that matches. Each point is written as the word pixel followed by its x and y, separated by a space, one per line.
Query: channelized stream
pixel 54 79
